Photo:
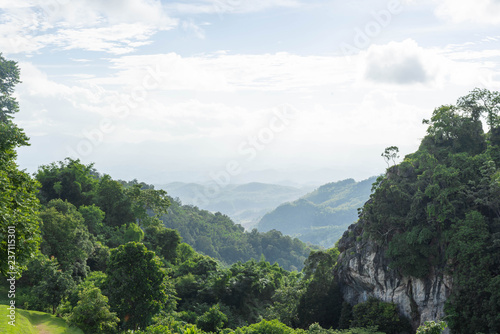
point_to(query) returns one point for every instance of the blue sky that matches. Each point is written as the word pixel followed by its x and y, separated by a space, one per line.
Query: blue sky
pixel 227 89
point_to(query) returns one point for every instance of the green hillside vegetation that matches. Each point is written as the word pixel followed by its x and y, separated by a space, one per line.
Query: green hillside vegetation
pixel 121 203
pixel 321 216
pixel 244 203
pixel 94 252
pixel 217 236
pixel 438 212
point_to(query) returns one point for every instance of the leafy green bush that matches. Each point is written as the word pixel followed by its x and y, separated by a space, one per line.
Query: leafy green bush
pixel 376 313
pixel 92 313
pixel 432 327
pixel 213 320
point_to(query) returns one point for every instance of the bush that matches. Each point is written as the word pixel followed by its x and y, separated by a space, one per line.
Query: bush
pixel 432 327
pixel 376 313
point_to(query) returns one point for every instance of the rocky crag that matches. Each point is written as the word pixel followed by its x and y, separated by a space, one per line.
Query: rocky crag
pixel 363 271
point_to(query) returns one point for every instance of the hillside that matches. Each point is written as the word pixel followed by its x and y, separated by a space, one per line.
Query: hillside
pixel 30 322
pixel 321 216
pixel 216 235
pixel 244 203
pixel 429 238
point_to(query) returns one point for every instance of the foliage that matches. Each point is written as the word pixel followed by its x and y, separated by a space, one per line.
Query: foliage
pixel 98 259
pixel 65 236
pixel 266 327
pixel 147 201
pixel 68 180
pixel 92 313
pixel 345 316
pixel 136 285
pixel 217 236
pixel 286 300
pixel 245 288
pixel 321 301
pixel 49 285
pixel 169 325
pixel 390 153
pixel 133 233
pixel 438 211
pixel 213 320
pixel 163 241
pixel 432 327
pixel 321 216
pixel 28 322
pixel 383 315
pixel 93 217
pixel 244 203
pixel 111 199
pixel 18 201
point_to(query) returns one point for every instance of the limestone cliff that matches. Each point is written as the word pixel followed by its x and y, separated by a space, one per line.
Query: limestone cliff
pixel 363 271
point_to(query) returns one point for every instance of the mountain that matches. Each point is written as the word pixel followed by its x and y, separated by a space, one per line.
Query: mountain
pixel 217 236
pixel 320 217
pixel 428 239
pixel 244 203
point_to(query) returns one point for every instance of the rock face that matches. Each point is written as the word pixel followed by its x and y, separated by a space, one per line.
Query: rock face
pixel 363 272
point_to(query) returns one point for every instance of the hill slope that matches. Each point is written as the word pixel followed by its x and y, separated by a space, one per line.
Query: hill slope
pixel 321 216
pixel 34 322
pixel 429 238
pixel 244 203
pixel 216 235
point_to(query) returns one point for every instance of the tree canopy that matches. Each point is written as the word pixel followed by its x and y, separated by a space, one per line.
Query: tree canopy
pixel 19 223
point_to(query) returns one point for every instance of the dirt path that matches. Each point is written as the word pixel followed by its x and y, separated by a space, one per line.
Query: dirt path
pixel 42 329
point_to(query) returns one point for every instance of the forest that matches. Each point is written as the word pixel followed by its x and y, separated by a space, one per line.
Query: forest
pixel 321 216
pixel 113 256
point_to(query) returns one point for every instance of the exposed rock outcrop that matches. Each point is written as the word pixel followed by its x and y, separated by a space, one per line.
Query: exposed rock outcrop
pixel 363 271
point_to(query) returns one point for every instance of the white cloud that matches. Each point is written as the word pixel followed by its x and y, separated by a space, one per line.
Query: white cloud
pixel 225 72
pixel 479 11
pixel 407 63
pixel 400 63
pixel 230 6
pixel 191 27
pixel 117 39
pixel 111 26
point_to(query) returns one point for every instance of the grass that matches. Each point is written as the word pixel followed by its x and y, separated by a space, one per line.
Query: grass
pixel 31 322
pixel 34 322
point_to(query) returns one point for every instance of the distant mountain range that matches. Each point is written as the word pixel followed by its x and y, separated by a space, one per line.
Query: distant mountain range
pixel 321 216
pixel 246 203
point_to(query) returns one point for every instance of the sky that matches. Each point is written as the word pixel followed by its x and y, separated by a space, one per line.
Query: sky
pixel 241 90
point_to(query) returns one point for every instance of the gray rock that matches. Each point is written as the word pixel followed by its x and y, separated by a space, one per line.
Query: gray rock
pixel 363 271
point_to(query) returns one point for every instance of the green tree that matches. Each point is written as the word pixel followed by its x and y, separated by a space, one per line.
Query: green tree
pixel 481 102
pixel 213 320
pixel 376 313
pixel 92 313
pixel 267 327
pixel 49 284
pixel 69 180
pixel 65 236
pixel 390 153
pixel 98 259
pixel 286 300
pixel 137 285
pixel 133 233
pixel 432 327
pixel 19 223
pixel 146 202
pixel 321 301
pixel 111 199
pixel 93 217
pixel 468 253
pixel 163 241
